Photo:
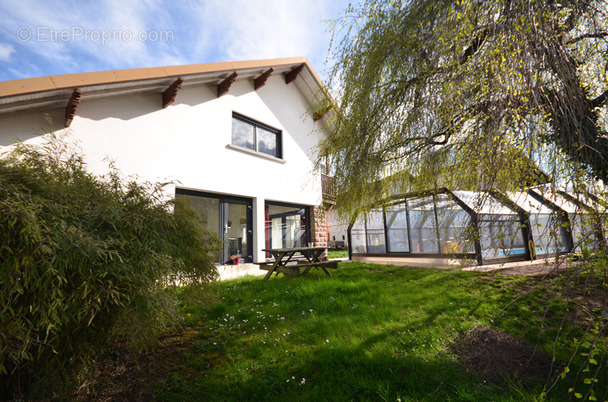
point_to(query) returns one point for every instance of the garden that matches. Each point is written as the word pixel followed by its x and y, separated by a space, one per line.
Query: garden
pixel 374 332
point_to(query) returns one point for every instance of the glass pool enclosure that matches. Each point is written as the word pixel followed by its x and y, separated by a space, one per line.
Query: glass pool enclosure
pixel 487 227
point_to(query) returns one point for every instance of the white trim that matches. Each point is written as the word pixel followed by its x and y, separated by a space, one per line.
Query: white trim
pixel 255 153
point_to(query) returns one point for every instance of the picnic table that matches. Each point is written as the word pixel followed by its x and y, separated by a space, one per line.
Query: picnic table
pixel 287 263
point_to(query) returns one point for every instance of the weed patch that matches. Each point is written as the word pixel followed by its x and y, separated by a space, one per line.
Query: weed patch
pixel 497 356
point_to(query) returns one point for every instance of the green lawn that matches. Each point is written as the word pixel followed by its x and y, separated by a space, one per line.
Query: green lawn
pixel 337 253
pixel 369 332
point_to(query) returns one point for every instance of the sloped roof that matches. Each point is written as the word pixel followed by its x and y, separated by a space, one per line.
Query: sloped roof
pixel 52 92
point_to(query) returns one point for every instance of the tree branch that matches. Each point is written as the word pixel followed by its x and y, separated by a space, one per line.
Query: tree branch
pixel 600 100
pixel 596 35
pixel 475 45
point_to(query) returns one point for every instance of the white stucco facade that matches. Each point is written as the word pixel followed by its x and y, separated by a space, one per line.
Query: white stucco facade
pixel 189 142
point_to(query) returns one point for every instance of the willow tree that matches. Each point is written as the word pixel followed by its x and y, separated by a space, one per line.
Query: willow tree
pixel 469 94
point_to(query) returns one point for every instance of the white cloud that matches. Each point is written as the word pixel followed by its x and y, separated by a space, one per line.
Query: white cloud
pixel 285 28
pixel 245 30
pixel 199 31
pixel 6 51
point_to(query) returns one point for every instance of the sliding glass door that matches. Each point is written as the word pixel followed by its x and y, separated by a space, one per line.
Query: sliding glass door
pixel 230 218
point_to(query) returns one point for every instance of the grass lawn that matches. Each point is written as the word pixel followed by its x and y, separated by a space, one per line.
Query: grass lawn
pixel 337 253
pixel 374 332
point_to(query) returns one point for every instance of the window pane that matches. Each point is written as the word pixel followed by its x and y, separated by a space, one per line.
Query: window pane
pixel 500 236
pixel 375 233
pixel 396 223
pixel 581 224
pixel 286 226
pixel 293 231
pixel 548 233
pixel 422 225
pixel 482 203
pixel 208 208
pixel 276 234
pixel 267 142
pixel 236 230
pixel 453 227
pixel 357 234
pixel 242 134
pixel 583 233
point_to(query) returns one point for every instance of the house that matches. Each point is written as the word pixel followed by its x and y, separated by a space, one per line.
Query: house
pixel 237 139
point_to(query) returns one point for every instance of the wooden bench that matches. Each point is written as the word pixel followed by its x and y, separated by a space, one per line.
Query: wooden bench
pixel 294 269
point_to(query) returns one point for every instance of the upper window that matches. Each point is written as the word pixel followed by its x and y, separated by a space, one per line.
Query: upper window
pixel 256 136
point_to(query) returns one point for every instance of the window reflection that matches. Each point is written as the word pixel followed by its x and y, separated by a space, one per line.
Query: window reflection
pixel 286 226
pixel 258 137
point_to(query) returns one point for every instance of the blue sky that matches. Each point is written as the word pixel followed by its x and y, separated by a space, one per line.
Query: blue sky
pixel 40 38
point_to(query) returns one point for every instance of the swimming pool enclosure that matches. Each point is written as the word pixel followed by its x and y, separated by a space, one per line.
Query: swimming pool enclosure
pixel 487 227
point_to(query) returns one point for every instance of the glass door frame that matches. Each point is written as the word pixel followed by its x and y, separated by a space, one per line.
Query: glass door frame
pixel 268 227
pixel 224 224
pixel 221 230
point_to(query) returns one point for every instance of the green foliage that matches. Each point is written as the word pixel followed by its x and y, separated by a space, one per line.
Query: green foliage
pixel 586 379
pixel 467 94
pixel 82 258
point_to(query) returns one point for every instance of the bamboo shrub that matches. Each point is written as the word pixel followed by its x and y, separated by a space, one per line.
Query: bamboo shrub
pixel 81 258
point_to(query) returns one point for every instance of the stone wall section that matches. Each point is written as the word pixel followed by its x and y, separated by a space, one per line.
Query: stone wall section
pixel 319 233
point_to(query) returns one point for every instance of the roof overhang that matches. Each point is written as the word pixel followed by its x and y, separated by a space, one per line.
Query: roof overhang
pixel 53 92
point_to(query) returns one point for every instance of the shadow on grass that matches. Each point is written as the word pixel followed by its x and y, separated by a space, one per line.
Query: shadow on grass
pixel 363 371
pixel 339 373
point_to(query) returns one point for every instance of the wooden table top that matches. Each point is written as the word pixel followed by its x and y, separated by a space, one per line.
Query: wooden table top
pixel 294 249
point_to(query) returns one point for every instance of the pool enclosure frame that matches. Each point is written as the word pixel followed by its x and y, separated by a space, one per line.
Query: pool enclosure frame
pixel 508 228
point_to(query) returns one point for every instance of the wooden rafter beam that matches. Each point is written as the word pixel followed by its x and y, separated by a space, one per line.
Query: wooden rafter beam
pixel 70 109
pixel 293 74
pixel 261 80
pixel 171 92
pixel 318 115
pixel 224 86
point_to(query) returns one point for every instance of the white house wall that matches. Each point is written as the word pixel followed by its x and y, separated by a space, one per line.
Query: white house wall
pixel 188 142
